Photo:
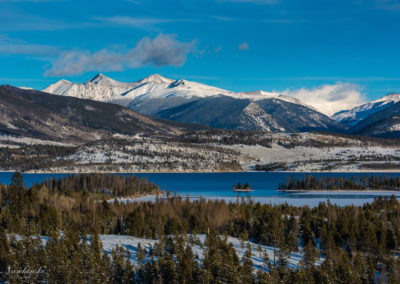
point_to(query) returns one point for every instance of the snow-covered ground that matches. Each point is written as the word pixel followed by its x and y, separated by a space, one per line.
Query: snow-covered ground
pixel 14 142
pixel 146 198
pixel 144 155
pixel 131 243
pixel 197 243
pixel 313 159
pixel 301 152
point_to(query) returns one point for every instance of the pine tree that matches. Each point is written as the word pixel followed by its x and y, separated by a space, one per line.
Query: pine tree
pixel 247 266
pixel 140 253
pixel 5 252
pixel 310 255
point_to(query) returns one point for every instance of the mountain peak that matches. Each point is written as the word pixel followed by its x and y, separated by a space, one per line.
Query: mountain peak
pixel 156 78
pixel 58 87
pixel 390 97
pixel 63 82
pixel 100 78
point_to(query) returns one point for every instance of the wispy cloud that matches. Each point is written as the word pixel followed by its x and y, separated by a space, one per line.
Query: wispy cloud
pixel 223 18
pixel 163 50
pixel 243 46
pixel 333 78
pixel 278 21
pixel 388 5
pixel 329 99
pixel 15 20
pixel 15 46
pixel 136 22
pixel 33 1
pixel 267 2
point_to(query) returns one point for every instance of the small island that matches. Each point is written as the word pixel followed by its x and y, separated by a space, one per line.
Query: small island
pixel 242 187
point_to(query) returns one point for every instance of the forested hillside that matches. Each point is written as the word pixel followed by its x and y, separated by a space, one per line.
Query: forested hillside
pixel 356 244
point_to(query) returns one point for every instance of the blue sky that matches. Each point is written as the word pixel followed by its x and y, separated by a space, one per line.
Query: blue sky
pixel 240 45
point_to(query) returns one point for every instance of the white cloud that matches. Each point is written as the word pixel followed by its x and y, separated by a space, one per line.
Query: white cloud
pixel 243 46
pixel 329 99
pixel 136 22
pixel 163 50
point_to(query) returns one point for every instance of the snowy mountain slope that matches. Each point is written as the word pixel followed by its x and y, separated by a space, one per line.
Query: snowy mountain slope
pixel 384 123
pixel 357 114
pixel 175 99
pixel 103 88
pixel 99 88
pixel 41 115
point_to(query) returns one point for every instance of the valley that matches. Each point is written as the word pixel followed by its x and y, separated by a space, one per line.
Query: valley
pixel 163 125
pixel 204 152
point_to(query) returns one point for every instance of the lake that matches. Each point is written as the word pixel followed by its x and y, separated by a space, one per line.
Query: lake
pixel 219 185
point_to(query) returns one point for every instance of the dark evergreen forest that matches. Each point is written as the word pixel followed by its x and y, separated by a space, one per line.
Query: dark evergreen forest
pixel 358 244
pixel 310 182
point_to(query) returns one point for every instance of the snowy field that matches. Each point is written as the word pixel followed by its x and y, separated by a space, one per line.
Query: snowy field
pixel 15 142
pixel 131 243
pixel 303 152
pixel 312 159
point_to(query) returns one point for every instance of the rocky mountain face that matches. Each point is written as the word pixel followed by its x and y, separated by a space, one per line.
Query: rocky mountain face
pixel 272 115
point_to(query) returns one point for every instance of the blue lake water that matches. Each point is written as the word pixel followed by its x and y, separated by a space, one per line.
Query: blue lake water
pixel 219 185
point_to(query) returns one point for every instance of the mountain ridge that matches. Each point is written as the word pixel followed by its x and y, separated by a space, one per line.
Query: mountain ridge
pixel 158 96
pixel 384 123
pixel 46 116
pixel 355 115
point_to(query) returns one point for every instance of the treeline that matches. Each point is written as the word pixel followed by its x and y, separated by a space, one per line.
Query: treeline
pixel 366 182
pixel 333 140
pixel 381 166
pixel 35 157
pixel 272 167
pixel 359 244
pixel 109 184
pixel 225 137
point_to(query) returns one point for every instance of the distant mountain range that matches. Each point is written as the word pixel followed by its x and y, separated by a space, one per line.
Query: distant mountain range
pixel 192 102
pixel 110 107
pixel 383 123
pixel 46 116
pixel 353 116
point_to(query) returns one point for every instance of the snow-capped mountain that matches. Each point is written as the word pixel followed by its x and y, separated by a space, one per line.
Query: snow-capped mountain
pixel 384 123
pixel 174 99
pixel 103 88
pixel 353 116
